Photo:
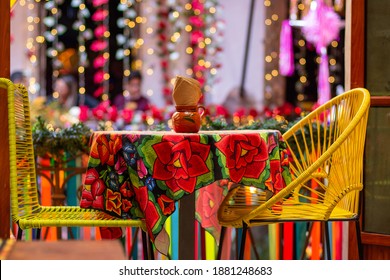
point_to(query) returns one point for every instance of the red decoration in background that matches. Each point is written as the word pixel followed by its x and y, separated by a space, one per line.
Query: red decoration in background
pixel 197 40
pixel 99 15
pixel 162 15
pixel 100 44
pixel 99 2
pixel 99 61
pixel 99 31
pixel 203 42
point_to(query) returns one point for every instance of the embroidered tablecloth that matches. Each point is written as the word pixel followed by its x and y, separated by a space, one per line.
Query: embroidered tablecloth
pixel 140 175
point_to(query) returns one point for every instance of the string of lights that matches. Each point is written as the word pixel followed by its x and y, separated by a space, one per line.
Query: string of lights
pixel 54 30
pixel 129 41
pixel 84 34
pixel 33 44
pixel 205 40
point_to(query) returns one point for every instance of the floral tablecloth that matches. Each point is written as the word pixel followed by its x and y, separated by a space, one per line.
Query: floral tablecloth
pixel 140 175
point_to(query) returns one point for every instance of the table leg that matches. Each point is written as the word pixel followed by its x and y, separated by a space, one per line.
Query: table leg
pixel 187 228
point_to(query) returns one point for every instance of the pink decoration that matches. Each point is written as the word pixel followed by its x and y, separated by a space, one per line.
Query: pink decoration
pixel 98 45
pixel 98 113
pixel 99 31
pixel 83 116
pixel 322 26
pixel 222 111
pixel 100 15
pixel 97 3
pixel 323 83
pixel 98 77
pixel 99 61
pixel 127 115
pixel 239 113
pixel 196 21
pixel 196 36
pixel 156 113
pixel 197 5
pixel 286 57
pixel 112 113
pixel 98 92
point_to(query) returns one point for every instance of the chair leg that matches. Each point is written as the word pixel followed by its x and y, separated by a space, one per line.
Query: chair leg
pixel 359 239
pixel 243 238
pixel 70 233
pixel 307 240
pixel 221 239
pixel 253 244
pixel 46 233
pixel 150 249
pixel 281 241
pixel 133 245
pixel 327 241
pixel 20 233
pixel 38 234
pixel 144 245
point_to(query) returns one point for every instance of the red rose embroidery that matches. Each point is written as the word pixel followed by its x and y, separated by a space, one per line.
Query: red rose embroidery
pixel 246 155
pixel 94 187
pixel 179 161
pixel 146 206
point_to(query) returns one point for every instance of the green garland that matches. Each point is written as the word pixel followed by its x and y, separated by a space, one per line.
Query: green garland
pixel 54 143
pixel 220 123
pixel 74 140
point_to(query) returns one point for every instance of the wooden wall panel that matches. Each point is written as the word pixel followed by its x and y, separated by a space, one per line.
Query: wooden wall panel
pixel 354 73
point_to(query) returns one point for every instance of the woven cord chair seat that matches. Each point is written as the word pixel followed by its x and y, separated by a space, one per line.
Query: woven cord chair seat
pixel 73 216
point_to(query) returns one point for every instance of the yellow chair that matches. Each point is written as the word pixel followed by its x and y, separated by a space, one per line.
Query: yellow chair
pixel 326 164
pixel 25 208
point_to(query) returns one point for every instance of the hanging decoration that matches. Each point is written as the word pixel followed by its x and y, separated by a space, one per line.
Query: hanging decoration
pixel 84 34
pixel 101 46
pixel 286 53
pixel 171 20
pixel 125 40
pixel 205 38
pixel 321 26
pixel 54 30
pixel 199 22
pixel 214 30
pixel 300 67
pixel 33 45
pixel 129 41
pixel 273 83
pixel 162 17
